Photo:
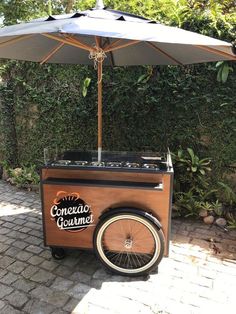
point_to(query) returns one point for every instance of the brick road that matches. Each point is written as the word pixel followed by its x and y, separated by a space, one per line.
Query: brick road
pixel 192 280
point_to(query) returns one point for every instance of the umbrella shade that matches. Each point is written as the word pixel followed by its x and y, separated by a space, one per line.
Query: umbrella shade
pixel 103 36
pixel 143 41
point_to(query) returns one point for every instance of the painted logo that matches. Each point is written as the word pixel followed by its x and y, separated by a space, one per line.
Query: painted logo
pixel 70 212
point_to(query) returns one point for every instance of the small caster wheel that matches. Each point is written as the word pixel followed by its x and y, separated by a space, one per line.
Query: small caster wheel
pixel 58 253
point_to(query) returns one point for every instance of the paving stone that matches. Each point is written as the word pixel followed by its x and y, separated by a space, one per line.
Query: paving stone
pixel 4 290
pixel 2 304
pixel 9 241
pixel 62 284
pixel 3 272
pixel 4 230
pixel 56 298
pixel 49 265
pixel 20 244
pixel 43 276
pixel 10 310
pixel 72 261
pixel 35 260
pixel 25 229
pixel 35 306
pixel 132 293
pixel 91 308
pixel 24 285
pixel 35 233
pixel 71 305
pixel 202 281
pixel 17 299
pixel 63 271
pixel 17 267
pixel 60 312
pixel 33 240
pixel 19 221
pixel 3 247
pixel 91 269
pixel 5 261
pixel 31 225
pixel 111 302
pixel 13 251
pixel 8 279
pixel 34 249
pixel 3 238
pixel 79 290
pixel 18 235
pixel 9 225
pixel 80 277
pixel 29 271
pixel 46 254
pixel 17 227
pixel 24 256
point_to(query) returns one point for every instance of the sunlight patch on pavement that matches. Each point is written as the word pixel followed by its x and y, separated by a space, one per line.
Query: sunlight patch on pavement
pixel 8 209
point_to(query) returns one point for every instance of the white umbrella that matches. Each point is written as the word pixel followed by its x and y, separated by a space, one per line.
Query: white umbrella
pixel 101 36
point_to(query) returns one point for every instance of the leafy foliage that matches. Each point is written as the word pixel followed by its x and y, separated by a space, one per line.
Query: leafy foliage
pixel 191 171
pixel 23 177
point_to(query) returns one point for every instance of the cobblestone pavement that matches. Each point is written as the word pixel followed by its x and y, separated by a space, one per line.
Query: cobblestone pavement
pixel 194 279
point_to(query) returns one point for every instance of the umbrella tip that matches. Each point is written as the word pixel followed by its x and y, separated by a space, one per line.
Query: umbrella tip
pixel 99 5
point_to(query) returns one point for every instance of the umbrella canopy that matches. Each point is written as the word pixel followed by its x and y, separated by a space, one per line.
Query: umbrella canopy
pixel 103 36
pixel 56 39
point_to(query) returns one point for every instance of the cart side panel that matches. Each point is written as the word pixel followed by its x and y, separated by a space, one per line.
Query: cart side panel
pixel 100 199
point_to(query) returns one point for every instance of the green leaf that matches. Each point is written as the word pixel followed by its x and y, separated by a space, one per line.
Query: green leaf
pixel 225 73
pixel 194 169
pixel 219 75
pixel 202 171
pixel 191 153
pixel 142 78
pixel 85 86
pixel 218 64
pixel 180 153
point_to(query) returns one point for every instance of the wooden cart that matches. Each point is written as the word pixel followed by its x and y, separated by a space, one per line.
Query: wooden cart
pixel 123 213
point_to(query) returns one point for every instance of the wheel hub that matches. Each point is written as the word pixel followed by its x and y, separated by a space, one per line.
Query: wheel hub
pixel 128 243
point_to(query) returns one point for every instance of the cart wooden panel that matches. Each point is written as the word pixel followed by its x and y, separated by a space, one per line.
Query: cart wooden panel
pixel 103 191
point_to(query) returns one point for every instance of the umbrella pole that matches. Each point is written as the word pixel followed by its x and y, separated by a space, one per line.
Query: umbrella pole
pixel 100 111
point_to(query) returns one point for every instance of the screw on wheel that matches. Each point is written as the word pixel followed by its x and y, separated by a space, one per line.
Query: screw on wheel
pixel 58 253
pixel 129 243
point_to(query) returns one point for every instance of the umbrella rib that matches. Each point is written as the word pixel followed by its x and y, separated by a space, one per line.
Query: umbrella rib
pixel 112 58
pixel 98 42
pixel 113 44
pixel 74 40
pixel 218 52
pixel 68 42
pixel 48 56
pixel 163 52
pixel 133 42
pixel 12 41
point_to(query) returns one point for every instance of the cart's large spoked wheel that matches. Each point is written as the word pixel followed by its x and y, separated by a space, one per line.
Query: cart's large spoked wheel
pixel 129 244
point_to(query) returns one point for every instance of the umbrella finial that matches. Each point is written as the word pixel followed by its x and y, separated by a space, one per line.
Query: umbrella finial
pixel 99 5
